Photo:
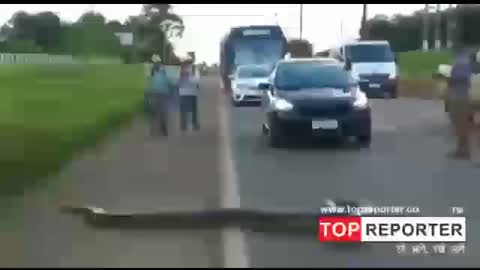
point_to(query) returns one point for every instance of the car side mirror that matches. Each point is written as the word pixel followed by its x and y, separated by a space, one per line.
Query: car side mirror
pixel 264 86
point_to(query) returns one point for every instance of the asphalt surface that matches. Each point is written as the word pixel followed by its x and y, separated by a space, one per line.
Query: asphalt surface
pixel 405 166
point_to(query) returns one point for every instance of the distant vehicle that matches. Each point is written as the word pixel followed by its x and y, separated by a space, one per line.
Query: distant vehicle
pixel 310 97
pixel 300 48
pixel 372 63
pixel 250 45
pixel 245 83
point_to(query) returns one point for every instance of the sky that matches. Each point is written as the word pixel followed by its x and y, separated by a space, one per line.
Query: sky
pixel 323 24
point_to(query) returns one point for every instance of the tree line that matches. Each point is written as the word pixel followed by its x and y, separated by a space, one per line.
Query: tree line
pixel 405 32
pixel 92 35
pixel 300 48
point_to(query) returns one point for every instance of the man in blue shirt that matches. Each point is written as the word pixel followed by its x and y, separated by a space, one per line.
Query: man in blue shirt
pixel 160 95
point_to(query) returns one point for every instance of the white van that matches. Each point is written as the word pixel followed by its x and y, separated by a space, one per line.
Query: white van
pixel 373 64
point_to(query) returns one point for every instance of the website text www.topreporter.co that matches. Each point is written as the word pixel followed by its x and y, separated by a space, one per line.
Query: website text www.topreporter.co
pixel 369 210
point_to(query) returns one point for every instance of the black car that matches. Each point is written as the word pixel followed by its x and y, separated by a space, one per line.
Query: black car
pixel 311 97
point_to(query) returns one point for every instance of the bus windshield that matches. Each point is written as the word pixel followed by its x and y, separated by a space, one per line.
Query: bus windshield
pixel 257 51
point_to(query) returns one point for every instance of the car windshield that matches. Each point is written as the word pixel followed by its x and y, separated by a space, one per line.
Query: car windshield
pixel 295 76
pixel 369 53
pixel 253 72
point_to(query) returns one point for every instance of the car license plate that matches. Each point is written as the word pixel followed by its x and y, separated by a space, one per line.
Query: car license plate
pixel 325 124
pixel 374 85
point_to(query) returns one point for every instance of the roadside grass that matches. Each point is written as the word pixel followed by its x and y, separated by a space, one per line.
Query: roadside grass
pixel 416 69
pixel 50 112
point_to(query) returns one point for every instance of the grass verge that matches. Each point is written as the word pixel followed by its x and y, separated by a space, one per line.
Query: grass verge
pixel 50 112
pixel 416 69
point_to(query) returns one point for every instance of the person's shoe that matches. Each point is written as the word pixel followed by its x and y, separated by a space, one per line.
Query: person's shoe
pixel 459 155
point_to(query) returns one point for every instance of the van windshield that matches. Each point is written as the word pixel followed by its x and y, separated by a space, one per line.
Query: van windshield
pixel 369 53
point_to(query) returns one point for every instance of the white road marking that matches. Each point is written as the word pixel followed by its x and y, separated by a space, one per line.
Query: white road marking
pixel 235 253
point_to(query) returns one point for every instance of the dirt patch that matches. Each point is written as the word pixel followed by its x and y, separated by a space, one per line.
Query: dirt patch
pixel 418 88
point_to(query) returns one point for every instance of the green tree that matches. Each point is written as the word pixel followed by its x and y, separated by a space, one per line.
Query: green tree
pixel 23 26
pixel 92 17
pixel 152 29
pixel 91 37
pixel 161 15
pixel 300 48
pixel 48 31
pixel 43 29
pixel 116 26
pixel 405 32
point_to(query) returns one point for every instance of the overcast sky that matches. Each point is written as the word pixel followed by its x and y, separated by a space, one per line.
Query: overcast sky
pixel 207 23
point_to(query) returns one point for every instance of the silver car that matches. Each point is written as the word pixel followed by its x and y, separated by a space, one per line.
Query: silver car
pixel 245 83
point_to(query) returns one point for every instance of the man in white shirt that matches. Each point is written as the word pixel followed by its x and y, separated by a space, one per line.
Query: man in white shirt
pixel 188 88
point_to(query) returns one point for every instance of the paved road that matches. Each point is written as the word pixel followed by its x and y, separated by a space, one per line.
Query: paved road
pixel 406 165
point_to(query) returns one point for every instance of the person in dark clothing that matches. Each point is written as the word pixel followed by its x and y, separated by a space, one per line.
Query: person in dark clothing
pixel 459 103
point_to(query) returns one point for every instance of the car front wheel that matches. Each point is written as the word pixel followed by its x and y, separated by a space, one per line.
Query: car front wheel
pixel 235 103
pixel 364 140
pixel 394 94
pixel 276 137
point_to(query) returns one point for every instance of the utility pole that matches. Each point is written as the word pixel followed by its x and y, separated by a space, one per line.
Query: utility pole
pixel 438 17
pixel 425 28
pixel 363 27
pixel 301 21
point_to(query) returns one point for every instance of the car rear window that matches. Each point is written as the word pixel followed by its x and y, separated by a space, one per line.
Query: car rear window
pixel 310 75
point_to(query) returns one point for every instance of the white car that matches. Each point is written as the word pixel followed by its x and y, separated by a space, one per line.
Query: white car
pixel 245 83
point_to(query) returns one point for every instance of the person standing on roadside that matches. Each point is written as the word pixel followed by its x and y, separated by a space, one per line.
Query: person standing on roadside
pixel 459 103
pixel 188 89
pixel 160 97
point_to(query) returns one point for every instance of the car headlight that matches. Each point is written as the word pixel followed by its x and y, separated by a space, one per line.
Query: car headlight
pixel 281 104
pixel 392 76
pixel 360 99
